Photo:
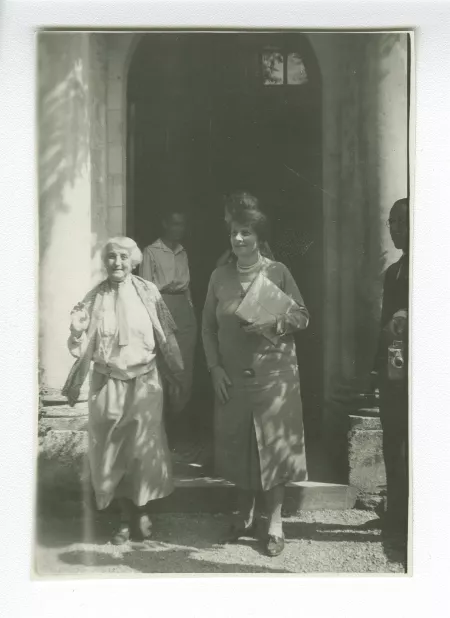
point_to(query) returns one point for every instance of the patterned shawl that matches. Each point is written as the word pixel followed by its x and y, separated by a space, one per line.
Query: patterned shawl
pixel 167 351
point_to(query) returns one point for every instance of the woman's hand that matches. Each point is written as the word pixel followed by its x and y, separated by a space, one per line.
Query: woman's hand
pixel 221 383
pixel 79 320
pixel 258 329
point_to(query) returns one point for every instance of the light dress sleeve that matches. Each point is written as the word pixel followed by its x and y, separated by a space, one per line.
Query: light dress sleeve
pixel 77 343
pixel 298 317
pixel 210 326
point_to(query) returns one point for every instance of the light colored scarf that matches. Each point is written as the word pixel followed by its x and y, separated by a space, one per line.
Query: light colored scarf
pixel 168 353
pixel 121 316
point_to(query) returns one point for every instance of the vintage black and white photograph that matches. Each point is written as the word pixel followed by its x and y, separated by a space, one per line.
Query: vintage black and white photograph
pixel 224 302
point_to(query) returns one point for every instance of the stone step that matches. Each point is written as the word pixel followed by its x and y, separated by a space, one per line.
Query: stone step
pixel 205 494
pixel 214 495
pixel 63 479
pixel 196 492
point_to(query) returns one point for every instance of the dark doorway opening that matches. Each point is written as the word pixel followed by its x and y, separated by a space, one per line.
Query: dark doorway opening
pixel 210 113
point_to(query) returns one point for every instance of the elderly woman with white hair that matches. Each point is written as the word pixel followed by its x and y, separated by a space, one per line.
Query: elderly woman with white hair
pixel 124 329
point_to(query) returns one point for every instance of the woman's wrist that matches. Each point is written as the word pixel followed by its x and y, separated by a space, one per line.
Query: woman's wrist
pixel 280 326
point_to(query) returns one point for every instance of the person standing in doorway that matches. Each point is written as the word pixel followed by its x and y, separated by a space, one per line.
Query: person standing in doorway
pixel 165 263
pixel 234 203
pixel 391 372
pixel 259 437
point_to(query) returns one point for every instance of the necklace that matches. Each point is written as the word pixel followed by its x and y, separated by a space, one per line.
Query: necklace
pixel 249 269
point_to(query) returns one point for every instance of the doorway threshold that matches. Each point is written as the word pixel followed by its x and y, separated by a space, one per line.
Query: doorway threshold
pixel 198 491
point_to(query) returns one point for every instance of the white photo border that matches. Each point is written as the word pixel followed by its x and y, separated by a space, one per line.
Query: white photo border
pixel 425 593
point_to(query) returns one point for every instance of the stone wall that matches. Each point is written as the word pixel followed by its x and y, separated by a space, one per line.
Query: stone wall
pixel 64 184
pixel 63 479
pixel 72 179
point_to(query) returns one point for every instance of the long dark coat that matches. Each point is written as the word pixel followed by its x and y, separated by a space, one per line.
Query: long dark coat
pixel 259 437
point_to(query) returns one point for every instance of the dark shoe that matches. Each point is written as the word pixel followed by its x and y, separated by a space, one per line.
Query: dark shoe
pixel 235 532
pixel 275 545
pixel 122 535
pixel 144 526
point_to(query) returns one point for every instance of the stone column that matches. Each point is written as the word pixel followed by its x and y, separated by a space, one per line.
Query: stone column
pixel 372 121
pixel 115 124
pixel 371 173
pixel 64 179
pixel 98 148
pixel 327 48
pixel 384 134
pixel 343 199
pixel 120 48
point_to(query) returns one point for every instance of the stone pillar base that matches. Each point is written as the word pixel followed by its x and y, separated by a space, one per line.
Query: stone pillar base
pixel 365 459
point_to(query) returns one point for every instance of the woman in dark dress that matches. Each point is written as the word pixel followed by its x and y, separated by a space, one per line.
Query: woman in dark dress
pixel 259 438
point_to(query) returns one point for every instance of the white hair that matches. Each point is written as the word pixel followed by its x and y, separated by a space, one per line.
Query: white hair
pixel 123 242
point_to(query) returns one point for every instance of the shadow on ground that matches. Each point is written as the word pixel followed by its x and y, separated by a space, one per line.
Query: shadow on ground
pixel 173 561
pixel 190 545
pixel 329 532
pixel 168 552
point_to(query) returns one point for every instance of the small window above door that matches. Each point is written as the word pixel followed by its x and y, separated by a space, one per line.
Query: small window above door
pixel 280 68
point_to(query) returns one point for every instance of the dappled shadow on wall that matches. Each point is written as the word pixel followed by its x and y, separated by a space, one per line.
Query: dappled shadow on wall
pixel 63 128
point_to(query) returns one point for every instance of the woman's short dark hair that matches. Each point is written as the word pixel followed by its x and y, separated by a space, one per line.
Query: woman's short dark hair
pixel 245 209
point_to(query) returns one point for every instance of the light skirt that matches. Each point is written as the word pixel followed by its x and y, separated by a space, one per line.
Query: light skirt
pixel 128 452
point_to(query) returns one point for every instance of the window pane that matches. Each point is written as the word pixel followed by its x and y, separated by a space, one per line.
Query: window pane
pixel 272 67
pixel 296 72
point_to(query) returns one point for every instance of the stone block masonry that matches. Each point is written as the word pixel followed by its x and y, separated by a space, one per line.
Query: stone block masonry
pixel 365 457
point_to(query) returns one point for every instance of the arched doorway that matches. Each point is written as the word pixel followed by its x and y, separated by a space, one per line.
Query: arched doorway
pixel 213 112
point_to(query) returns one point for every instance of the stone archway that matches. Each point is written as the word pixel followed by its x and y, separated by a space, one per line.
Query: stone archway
pixel 204 95
pixel 121 47
pixel 364 128
pixel 120 51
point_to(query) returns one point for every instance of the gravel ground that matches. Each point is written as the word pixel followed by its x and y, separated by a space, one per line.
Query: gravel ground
pixel 316 542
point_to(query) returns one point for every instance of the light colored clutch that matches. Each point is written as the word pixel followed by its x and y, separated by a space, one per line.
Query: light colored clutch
pixel 263 302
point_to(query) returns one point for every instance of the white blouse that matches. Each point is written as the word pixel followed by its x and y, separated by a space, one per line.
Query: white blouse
pixel 121 361
pixel 167 269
